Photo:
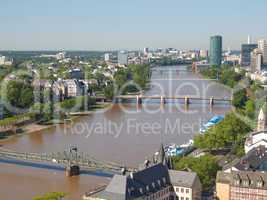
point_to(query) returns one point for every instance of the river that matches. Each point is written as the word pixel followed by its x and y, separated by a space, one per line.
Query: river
pixel 125 133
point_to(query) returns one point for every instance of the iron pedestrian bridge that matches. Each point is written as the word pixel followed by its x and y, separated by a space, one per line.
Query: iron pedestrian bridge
pixel 71 160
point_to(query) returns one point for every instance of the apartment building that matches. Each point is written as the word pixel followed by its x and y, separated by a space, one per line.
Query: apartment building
pixel 241 185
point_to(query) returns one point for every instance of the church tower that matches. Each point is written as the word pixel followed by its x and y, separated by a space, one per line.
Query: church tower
pixel 163 158
pixel 261 121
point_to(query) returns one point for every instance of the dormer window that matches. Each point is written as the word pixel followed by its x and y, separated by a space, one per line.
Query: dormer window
pixel 246 183
pixel 164 180
pixel 237 182
pixel 153 185
pixel 259 184
pixel 159 183
pixel 147 188
pixel 141 190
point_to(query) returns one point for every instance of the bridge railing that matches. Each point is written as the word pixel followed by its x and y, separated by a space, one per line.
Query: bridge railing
pixel 82 160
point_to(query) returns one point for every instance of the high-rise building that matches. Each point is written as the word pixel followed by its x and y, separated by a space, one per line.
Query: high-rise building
pixel 122 58
pixel 146 51
pixel 256 60
pixel 249 39
pixel 5 61
pixel 246 50
pixel 203 53
pixel 262 45
pixel 215 50
pixel 106 57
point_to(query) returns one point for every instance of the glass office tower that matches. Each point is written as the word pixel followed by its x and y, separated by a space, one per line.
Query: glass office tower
pixel 216 50
pixel 246 50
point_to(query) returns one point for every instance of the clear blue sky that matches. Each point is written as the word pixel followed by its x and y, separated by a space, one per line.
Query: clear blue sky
pixel 128 24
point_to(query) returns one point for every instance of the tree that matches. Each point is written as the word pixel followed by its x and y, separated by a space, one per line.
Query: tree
pixel 211 72
pixel 20 94
pixel 81 103
pixel 205 166
pixel 240 98
pixel 228 76
pixel 250 109
pixel 109 91
pixel 140 74
pixel 121 77
pixel 227 133
pixel 51 196
pixel 68 104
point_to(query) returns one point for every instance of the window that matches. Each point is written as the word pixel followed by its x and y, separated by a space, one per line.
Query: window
pixel 259 184
pixel 187 191
pixel 177 189
pixel 237 182
pixel 182 190
pixel 187 198
pixel 246 182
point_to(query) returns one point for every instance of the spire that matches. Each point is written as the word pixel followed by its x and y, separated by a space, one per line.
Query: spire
pixel 161 158
pixel 249 39
pixel 261 121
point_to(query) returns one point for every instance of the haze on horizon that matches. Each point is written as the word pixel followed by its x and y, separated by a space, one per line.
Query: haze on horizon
pixel 125 24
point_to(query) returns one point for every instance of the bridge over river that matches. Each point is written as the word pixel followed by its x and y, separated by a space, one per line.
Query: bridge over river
pixel 71 160
pixel 163 98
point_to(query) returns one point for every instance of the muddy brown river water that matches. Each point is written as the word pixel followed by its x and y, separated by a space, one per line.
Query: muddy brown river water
pixel 125 133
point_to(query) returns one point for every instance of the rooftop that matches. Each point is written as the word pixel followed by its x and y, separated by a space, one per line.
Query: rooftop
pixel 257 180
pixel 253 160
pixel 145 182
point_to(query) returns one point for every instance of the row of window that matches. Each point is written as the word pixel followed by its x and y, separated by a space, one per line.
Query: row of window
pixel 159 194
pixel 182 190
pixel 182 198
pixel 248 190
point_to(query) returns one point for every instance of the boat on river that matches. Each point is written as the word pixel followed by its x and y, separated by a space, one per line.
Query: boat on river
pixel 179 150
pixel 212 122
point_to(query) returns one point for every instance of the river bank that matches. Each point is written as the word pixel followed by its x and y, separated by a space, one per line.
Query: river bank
pixel 34 127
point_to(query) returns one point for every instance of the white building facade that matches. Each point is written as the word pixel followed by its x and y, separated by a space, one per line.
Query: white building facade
pixel 262 45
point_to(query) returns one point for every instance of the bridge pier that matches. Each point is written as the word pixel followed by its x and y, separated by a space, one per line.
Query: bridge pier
pixel 162 100
pixel 138 99
pixel 72 170
pixel 211 101
pixel 186 101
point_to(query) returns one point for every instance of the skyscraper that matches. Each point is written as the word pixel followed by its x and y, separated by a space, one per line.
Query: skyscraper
pixel 122 58
pixel 249 39
pixel 262 45
pixel 256 60
pixel 106 57
pixel 146 51
pixel 216 50
pixel 246 50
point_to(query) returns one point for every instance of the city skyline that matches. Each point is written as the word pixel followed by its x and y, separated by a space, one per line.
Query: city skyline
pixel 115 25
